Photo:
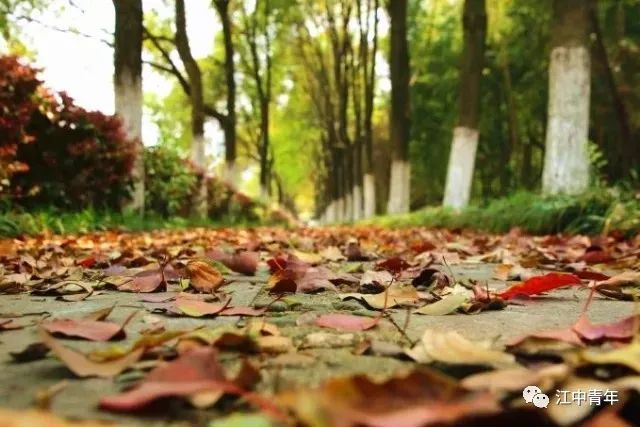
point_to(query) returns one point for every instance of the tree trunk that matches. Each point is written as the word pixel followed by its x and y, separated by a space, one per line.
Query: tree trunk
pixel 400 109
pixel 222 6
pixel 197 106
pixel 465 136
pixel 369 182
pixel 623 155
pixel 566 162
pixel 128 85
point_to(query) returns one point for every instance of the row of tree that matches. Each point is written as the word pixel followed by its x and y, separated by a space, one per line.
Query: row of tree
pixel 292 82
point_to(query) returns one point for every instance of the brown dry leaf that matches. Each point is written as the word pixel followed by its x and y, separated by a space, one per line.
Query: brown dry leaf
pixel 33 418
pixel 332 253
pixel 447 305
pixel 204 277
pixel 420 398
pixel 82 366
pixel 624 286
pixel 516 379
pixel 452 348
pixel 628 355
pixel 395 295
pixel 275 344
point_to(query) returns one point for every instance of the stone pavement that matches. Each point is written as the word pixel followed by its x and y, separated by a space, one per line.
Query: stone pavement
pixel 21 381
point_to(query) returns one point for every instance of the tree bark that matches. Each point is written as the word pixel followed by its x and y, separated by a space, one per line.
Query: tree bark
pixel 566 163
pixel 399 187
pixel 222 6
pixel 197 105
pixel 623 155
pixel 128 85
pixel 465 136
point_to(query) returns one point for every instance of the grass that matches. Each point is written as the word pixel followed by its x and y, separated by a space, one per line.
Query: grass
pixel 14 223
pixel 595 212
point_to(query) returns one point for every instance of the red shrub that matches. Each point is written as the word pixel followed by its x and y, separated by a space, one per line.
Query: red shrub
pixel 65 155
pixel 18 101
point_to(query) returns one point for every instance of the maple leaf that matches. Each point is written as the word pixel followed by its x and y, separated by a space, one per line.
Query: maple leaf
pixel 540 284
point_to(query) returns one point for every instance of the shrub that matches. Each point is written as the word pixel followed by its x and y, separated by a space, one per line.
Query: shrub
pixel 18 101
pixel 65 156
pixel 170 182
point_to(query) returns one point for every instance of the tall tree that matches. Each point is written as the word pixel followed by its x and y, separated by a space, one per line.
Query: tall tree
pixel 128 84
pixel 400 122
pixel 364 193
pixel 197 104
pixel 465 135
pixel 257 35
pixel 566 163
pixel 229 124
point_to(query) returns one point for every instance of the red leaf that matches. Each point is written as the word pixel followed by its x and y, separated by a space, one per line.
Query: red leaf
pixel 147 281
pixel 623 329
pixel 242 262
pixel 88 328
pixel 539 284
pixel 189 375
pixel 393 265
pixel 346 322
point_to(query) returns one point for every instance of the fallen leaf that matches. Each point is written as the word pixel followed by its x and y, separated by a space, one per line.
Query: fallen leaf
pixel 82 366
pixel 623 329
pixel 395 295
pixel 332 253
pixel 92 330
pixel 245 262
pixel 28 418
pixel 346 322
pixel 32 352
pixel 540 284
pixel 420 398
pixel 515 379
pixel 197 308
pixel 447 305
pixel 204 277
pixel 452 348
pixel 146 281
pixel 189 375
pixel 615 287
pixel 628 355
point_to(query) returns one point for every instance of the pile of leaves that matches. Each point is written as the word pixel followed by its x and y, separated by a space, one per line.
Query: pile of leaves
pixel 452 380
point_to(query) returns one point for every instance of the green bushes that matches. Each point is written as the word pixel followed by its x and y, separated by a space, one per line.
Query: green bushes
pixel 170 182
pixel 55 153
pixel 599 211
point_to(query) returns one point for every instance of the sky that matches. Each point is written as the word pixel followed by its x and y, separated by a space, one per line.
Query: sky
pixel 82 65
pixel 69 40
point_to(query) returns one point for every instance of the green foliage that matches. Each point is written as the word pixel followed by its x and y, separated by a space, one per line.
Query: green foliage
pixel 170 182
pixel 592 213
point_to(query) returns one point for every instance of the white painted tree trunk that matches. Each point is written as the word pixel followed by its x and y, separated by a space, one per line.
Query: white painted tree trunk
pixel 340 209
pixel 199 159
pixel 230 174
pixel 128 104
pixel 460 169
pixel 264 193
pixel 348 207
pixel 369 196
pixel 399 187
pixel 566 162
pixel 357 203
pixel 330 216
